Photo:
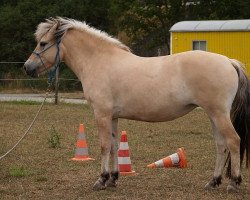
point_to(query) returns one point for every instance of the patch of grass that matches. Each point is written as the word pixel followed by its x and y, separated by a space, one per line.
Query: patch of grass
pixel 19 172
pixel 54 138
pixel 55 176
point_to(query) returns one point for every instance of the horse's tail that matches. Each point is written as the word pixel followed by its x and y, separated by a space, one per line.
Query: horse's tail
pixel 240 114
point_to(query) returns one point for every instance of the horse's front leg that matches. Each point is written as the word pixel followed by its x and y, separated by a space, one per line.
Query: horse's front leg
pixel 114 155
pixel 104 129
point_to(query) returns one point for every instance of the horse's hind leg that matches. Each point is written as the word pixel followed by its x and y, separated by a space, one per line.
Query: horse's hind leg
pixel 225 130
pixel 114 155
pixel 221 158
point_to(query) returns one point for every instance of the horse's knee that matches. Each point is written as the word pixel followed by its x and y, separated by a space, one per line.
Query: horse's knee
pixel 105 150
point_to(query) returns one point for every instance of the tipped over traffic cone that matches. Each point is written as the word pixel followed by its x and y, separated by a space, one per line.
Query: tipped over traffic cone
pixel 81 152
pixel 175 160
pixel 124 162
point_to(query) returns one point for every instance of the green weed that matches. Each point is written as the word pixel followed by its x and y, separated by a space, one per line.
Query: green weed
pixel 19 172
pixel 54 138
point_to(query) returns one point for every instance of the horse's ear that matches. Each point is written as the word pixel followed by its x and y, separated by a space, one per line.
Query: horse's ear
pixel 54 28
pixel 56 31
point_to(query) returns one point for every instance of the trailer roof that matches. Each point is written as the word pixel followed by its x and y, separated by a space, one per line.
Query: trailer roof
pixel 211 25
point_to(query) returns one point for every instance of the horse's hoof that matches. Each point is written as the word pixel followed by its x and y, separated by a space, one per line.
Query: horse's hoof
pixel 210 186
pixel 99 186
pixel 111 183
pixel 214 183
pixel 233 188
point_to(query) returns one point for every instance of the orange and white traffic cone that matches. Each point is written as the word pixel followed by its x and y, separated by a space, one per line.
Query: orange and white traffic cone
pixel 124 162
pixel 81 152
pixel 175 160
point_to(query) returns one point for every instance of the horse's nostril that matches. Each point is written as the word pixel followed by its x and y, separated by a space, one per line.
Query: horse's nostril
pixel 24 67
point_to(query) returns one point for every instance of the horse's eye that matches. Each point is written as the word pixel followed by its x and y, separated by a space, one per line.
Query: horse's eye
pixel 43 44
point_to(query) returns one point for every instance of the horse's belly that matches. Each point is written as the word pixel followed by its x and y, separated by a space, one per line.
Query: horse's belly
pixel 151 114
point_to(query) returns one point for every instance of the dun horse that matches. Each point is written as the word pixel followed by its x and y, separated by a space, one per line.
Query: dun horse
pixel 119 84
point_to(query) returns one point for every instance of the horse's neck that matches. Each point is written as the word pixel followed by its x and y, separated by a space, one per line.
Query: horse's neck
pixel 80 50
pixel 85 55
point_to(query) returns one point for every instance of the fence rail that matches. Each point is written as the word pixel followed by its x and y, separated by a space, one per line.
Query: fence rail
pixel 32 79
pixel 6 62
pixel 12 79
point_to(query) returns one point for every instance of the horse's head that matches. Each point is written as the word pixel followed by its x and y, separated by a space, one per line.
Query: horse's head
pixel 47 52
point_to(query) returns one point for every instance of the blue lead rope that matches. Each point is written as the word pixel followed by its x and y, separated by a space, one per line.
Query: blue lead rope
pixel 52 75
pixel 52 72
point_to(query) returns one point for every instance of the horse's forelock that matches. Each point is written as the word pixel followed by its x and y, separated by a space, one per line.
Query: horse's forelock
pixel 43 28
pixel 46 26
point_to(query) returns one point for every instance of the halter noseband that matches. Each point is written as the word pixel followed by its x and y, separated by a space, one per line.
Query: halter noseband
pixel 57 57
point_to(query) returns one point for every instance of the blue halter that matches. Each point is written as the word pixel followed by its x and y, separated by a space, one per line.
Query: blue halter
pixel 51 72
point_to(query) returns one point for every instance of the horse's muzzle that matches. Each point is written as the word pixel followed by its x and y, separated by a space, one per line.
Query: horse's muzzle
pixel 30 69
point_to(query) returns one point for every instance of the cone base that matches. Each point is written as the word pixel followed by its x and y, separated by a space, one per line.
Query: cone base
pixel 182 155
pixel 82 159
pixel 132 173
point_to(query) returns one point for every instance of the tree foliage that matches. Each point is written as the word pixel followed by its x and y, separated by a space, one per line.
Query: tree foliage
pixel 19 19
pixel 148 22
pixel 145 23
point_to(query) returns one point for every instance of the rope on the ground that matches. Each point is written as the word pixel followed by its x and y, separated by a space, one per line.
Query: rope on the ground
pixel 27 131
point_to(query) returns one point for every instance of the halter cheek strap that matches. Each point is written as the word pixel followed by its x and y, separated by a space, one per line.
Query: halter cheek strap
pixel 57 56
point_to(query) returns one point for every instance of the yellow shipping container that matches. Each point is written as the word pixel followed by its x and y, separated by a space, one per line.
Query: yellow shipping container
pixel 230 38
